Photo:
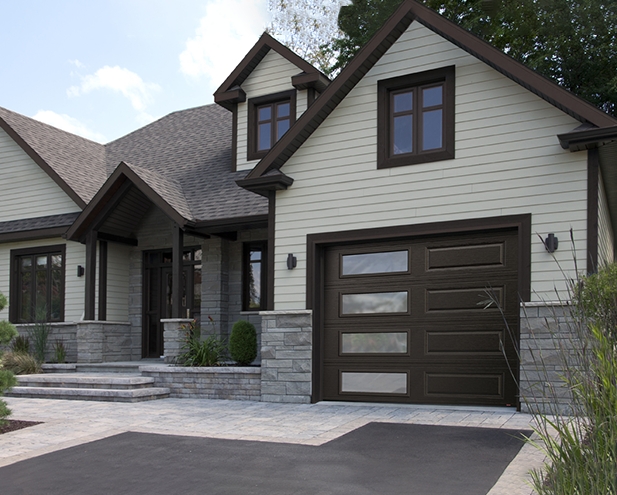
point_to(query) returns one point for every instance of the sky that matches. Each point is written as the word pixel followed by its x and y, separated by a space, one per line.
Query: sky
pixel 103 68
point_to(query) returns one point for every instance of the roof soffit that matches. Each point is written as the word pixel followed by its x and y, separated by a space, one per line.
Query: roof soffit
pixel 409 11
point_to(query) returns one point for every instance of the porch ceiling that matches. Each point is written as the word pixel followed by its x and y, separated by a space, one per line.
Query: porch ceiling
pixel 124 219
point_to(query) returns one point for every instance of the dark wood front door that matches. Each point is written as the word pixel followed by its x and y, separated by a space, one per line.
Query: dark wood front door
pixel 411 321
pixel 158 293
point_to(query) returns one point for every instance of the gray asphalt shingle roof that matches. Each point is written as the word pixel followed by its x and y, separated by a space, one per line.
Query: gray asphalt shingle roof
pixel 185 157
pixel 38 223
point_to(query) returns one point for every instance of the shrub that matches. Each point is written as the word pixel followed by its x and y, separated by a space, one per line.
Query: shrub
pixel 596 298
pixel 210 351
pixel 20 363
pixel 7 379
pixel 21 344
pixel 243 342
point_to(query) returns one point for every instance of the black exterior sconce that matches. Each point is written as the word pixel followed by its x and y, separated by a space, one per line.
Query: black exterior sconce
pixel 80 271
pixel 291 261
pixel 551 243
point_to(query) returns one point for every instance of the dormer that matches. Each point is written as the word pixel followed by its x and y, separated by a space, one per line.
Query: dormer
pixel 267 92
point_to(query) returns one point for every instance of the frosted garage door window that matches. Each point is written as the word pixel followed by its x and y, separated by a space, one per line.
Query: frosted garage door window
pixel 371 263
pixel 374 302
pixel 377 343
pixel 374 383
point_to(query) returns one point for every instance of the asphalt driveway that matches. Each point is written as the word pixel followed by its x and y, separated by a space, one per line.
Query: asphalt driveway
pixel 378 458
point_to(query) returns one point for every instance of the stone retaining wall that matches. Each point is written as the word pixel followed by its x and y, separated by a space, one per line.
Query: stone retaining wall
pixel 60 332
pixel 103 342
pixel 233 382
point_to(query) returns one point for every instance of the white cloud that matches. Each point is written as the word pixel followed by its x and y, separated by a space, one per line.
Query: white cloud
pixel 225 34
pixel 77 63
pixel 121 80
pixel 69 124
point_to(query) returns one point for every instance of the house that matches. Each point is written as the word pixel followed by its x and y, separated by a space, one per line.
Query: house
pixel 362 223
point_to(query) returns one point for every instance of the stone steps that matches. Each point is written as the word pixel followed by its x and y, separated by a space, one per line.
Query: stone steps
pixel 100 387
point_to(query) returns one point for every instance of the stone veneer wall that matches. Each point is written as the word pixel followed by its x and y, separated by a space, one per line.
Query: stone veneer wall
pixel 60 332
pixel 103 342
pixel 286 356
pixel 547 339
pixel 233 383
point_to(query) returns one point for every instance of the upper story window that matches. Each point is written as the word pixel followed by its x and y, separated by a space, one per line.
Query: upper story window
pixel 416 118
pixel 269 118
pixel 37 284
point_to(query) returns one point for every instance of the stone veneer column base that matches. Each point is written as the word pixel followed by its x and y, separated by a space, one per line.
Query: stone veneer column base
pixel 174 337
pixel 286 356
pixel 548 336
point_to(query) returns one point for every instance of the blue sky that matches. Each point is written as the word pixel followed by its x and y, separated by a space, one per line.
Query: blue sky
pixel 103 68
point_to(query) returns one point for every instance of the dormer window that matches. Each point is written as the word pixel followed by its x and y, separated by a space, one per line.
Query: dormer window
pixel 269 118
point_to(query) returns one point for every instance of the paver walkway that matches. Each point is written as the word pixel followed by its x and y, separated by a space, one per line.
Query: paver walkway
pixel 70 423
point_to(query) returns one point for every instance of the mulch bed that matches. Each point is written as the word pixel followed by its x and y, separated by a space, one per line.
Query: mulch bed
pixel 15 424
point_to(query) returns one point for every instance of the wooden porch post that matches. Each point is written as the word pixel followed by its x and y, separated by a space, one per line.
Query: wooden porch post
pixel 90 275
pixel 176 270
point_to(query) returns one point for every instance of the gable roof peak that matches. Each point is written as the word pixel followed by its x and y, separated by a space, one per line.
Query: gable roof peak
pixel 231 92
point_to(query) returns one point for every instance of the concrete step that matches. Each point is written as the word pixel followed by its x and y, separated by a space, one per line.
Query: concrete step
pixel 121 367
pixel 87 381
pixel 98 394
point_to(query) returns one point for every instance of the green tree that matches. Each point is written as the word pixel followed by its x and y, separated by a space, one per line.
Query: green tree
pixel 569 41
pixel 7 378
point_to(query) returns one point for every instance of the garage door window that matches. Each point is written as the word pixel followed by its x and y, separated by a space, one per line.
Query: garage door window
pixel 373 263
pixel 374 303
pixel 374 343
pixel 374 383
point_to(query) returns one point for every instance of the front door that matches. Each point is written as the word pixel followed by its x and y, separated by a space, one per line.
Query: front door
pixel 158 294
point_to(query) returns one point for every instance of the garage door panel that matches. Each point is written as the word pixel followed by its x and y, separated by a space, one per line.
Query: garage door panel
pixel 413 321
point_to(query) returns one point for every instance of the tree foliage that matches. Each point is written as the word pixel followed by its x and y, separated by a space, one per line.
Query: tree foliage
pixel 307 27
pixel 569 41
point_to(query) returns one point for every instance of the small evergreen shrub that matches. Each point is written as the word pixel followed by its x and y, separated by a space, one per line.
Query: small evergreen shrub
pixel 243 342
pixel 7 378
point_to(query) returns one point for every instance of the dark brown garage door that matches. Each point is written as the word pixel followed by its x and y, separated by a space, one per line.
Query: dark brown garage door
pixel 411 321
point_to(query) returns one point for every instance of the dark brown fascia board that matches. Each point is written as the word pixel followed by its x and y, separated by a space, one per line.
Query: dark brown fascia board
pixel 42 163
pixel 229 99
pixel 256 55
pixel 232 224
pixel 261 185
pixel 31 235
pixel 588 138
pixel 314 80
pixel 409 11
pixel 122 173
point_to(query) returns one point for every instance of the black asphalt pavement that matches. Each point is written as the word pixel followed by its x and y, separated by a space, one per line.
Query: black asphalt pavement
pixel 379 458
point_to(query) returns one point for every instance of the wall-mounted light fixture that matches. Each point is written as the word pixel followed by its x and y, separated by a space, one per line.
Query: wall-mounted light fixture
pixel 291 261
pixel 551 243
pixel 80 271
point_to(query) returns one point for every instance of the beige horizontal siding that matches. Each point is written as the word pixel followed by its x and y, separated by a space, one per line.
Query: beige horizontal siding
pixel 118 259
pixel 508 161
pixel 74 286
pixel 606 239
pixel 27 191
pixel 272 75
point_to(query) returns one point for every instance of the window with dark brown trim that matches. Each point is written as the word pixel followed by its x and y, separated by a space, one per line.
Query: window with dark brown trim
pixel 254 277
pixel 269 117
pixel 416 118
pixel 37 284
